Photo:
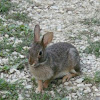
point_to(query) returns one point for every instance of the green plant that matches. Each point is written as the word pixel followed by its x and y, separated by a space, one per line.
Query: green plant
pixel 91 21
pixel 94 48
pixel 97 76
pixel 7 46
pixel 5 6
pixel 1 21
pixel 11 89
pixel 4 68
pixel 19 16
pixel 94 79
pixel 22 32
pixel 88 79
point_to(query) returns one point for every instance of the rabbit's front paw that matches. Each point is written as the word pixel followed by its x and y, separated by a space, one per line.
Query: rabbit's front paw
pixel 38 90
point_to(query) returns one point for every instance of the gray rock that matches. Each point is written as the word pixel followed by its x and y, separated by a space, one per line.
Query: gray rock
pixel 52 93
pixel 2 75
pixel 95 88
pixel 80 85
pixel 88 90
pixel 22 56
pixel 66 83
pixel 79 80
pixel 4 60
pixel 54 7
pixel 12 70
pixel 20 97
pixel 97 98
pixel 1 38
pixel 28 87
pixel 88 85
pixel 6 35
pixel 15 53
pixel 59 28
pixel 69 12
pixel 98 94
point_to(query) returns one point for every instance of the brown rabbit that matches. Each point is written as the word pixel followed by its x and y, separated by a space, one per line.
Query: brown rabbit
pixel 47 63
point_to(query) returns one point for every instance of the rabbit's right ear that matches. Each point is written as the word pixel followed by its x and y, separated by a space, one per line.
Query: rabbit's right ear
pixel 37 33
pixel 47 38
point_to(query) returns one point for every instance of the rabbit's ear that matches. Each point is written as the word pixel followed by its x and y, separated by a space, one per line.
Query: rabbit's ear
pixel 47 38
pixel 37 33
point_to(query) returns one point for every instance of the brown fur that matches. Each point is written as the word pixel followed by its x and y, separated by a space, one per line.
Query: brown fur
pixel 47 63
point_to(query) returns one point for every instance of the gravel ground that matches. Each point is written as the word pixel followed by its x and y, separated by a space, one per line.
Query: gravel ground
pixel 66 19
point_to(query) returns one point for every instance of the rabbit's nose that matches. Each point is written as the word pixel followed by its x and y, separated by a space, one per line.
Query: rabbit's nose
pixel 31 61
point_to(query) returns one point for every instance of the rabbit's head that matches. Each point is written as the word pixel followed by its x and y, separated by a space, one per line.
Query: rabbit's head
pixel 36 52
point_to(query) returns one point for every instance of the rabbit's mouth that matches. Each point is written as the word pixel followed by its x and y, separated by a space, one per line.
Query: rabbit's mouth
pixel 37 64
pixel 32 62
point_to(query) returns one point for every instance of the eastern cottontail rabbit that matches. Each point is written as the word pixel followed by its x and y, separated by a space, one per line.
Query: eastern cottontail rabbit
pixel 47 63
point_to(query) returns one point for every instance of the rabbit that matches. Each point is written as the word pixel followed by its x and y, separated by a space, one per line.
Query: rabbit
pixel 50 62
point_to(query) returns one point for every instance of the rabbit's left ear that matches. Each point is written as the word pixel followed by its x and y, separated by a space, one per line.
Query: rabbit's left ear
pixel 47 38
pixel 37 33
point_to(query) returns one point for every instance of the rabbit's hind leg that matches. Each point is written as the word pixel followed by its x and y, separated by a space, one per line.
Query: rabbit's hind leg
pixel 69 75
pixel 46 83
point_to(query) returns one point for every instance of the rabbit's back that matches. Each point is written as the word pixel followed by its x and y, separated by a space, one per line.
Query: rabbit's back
pixel 63 56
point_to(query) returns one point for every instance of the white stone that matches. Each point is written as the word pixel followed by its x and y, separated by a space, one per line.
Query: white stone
pixel 95 88
pixel 61 85
pixel 66 83
pixel 11 39
pixel 68 97
pixel 1 38
pixel 58 90
pixel 79 80
pixel 5 60
pixel 78 93
pixel 3 96
pixel 26 48
pixel 85 70
pixel 28 86
pixel 80 85
pixel 14 80
pixel 74 95
pixel 68 88
pixel 12 70
pixel 80 89
pixel 20 97
pixel 27 95
pixel 7 50
pixel 17 72
pixel 74 88
pixel 0 62
pixel 69 12
pixel 54 7
pixel 15 53
pixel 6 35
pixel 38 1
pixel 52 93
pixel 59 28
pixel 88 85
pixel 98 94
pixel 88 90
pixel 18 41
pixel 22 56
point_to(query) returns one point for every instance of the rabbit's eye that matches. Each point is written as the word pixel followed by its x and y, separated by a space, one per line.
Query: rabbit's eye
pixel 40 53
